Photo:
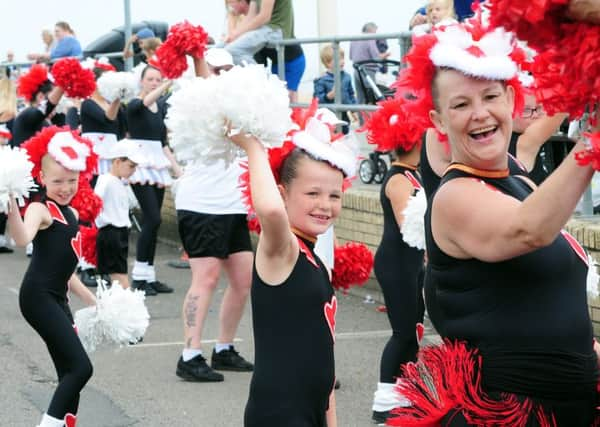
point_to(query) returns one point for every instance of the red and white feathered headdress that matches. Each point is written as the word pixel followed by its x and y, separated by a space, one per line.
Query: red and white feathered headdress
pixel 470 48
pixel 29 83
pixel 102 63
pixel 65 146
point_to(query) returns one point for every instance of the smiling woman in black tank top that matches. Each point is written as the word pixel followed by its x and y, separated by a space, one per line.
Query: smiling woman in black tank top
pixel 508 285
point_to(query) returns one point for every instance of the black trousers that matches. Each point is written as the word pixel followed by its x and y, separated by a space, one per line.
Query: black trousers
pixel 150 198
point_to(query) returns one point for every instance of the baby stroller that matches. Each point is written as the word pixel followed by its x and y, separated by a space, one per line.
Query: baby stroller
pixel 374 168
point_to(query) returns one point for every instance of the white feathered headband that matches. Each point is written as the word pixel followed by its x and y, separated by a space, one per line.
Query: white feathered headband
pixel 470 48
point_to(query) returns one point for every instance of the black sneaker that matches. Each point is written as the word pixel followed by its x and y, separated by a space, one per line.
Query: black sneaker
pixel 337 384
pixel 6 250
pixel 380 418
pixel 88 277
pixel 196 369
pixel 161 287
pixel 142 285
pixel 230 360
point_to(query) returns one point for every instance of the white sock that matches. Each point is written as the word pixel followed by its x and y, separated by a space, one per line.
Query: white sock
pixel 139 271
pixel 48 421
pixel 150 274
pixel 3 240
pixel 189 353
pixel 219 347
pixel 387 398
pixel 29 248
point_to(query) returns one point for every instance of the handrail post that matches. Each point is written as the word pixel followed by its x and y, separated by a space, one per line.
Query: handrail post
pixel 280 61
pixel 337 75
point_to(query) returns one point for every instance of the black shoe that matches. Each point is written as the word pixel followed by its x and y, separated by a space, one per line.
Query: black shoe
pixel 230 360
pixel 142 285
pixel 6 250
pixel 337 385
pixel 196 369
pixel 380 417
pixel 161 287
pixel 88 278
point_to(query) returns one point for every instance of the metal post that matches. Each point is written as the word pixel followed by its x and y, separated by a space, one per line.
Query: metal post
pixel 280 61
pixel 587 205
pixel 127 11
pixel 337 75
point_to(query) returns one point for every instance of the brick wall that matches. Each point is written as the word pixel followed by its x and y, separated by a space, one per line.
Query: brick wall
pixel 361 220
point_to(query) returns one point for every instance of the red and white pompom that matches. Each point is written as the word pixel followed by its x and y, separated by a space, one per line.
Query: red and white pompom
pixel 4 132
pixel 86 202
pixel 353 263
pixel 413 225
pixel 120 317
pixel 183 39
pixel 117 85
pixel 76 81
pixel 15 176
pixel 68 147
pixel 393 126
pixel 591 155
pixel 30 82
pixel 592 278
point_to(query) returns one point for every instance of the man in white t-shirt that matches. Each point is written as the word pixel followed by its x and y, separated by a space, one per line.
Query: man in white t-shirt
pixel 112 243
pixel 213 229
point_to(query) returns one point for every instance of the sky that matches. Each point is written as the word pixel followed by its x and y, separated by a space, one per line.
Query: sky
pixel 23 20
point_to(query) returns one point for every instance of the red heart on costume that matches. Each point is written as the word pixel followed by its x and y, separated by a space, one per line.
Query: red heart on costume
pixel 304 249
pixel 55 212
pixel 575 245
pixel 330 309
pixel 69 151
pixel 101 137
pixel 414 181
pixel 420 332
pixel 70 420
pixel 76 244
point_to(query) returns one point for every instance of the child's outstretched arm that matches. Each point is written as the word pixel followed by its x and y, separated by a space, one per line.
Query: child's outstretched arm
pixel 276 239
pixel 331 415
pixel 82 292
pixel 24 230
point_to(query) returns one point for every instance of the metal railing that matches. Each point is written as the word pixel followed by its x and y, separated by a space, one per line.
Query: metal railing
pixel 404 40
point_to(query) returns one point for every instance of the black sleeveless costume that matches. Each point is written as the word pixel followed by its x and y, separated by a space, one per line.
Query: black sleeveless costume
pixel 29 121
pixel 398 269
pixel 93 119
pixel 538 173
pixel 431 181
pixel 44 304
pixel 527 316
pixel 293 326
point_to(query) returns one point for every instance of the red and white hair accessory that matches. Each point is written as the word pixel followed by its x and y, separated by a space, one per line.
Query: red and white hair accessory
pixel 30 82
pixel 393 126
pixel 102 63
pixel 470 48
pixel 65 146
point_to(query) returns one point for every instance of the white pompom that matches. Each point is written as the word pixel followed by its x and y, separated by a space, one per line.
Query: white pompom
pixel 196 125
pixel 15 176
pixel 592 278
pixel 120 317
pixel 413 226
pixel 117 85
pixel 256 102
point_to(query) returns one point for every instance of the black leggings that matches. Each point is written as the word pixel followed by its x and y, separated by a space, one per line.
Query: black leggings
pixel 52 320
pixel 405 308
pixel 150 198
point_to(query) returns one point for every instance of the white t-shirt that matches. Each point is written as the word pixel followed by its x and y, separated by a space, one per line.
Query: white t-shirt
pixel 115 207
pixel 324 247
pixel 211 189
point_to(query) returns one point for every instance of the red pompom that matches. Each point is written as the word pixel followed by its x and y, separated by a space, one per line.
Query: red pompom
pixel 29 83
pixel 76 81
pixel 393 126
pixel 183 39
pixel 591 155
pixel 352 265
pixel 88 244
pixel 86 202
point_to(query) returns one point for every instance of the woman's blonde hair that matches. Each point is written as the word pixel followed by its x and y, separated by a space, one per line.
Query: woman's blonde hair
pixel 8 97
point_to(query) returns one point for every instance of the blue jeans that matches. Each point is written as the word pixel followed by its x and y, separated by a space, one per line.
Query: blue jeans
pixel 245 46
